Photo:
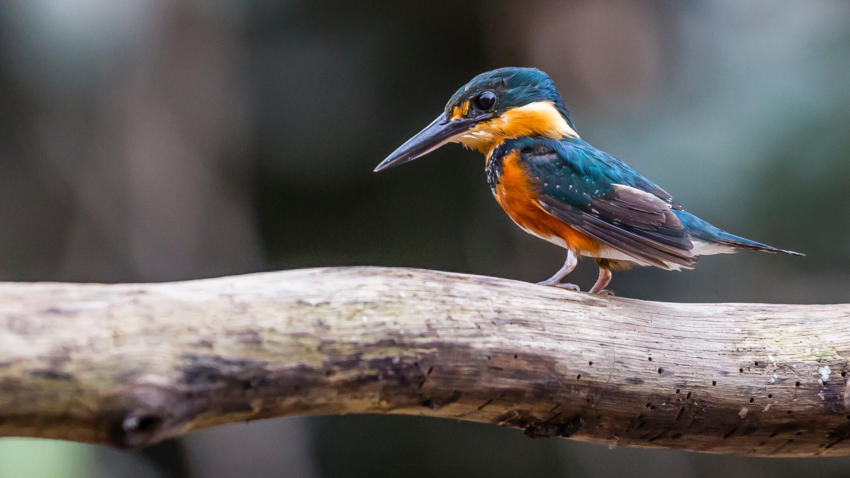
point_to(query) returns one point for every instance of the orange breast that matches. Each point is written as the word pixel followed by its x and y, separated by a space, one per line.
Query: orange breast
pixel 518 198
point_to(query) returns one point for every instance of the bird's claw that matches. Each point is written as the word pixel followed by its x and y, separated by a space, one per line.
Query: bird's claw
pixel 606 292
pixel 559 285
pixel 572 287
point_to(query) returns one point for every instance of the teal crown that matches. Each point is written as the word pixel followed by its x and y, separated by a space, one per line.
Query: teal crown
pixel 513 87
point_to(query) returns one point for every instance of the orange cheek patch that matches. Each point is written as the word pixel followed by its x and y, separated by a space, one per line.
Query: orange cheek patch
pixel 518 198
pixel 534 119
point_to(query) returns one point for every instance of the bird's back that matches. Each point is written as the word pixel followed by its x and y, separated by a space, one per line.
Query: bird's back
pixel 611 202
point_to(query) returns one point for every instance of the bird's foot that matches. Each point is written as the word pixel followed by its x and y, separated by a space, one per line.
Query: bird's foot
pixel 560 285
pixel 606 292
pixel 572 287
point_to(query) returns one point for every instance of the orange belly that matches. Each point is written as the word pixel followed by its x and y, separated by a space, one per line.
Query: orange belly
pixel 518 198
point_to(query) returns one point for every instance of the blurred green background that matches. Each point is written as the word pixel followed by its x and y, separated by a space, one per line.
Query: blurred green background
pixel 154 140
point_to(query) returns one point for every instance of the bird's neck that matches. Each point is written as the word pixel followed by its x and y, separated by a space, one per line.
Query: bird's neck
pixel 540 118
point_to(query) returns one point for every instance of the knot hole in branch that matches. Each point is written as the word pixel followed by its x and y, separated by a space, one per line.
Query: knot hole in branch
pixel 136 428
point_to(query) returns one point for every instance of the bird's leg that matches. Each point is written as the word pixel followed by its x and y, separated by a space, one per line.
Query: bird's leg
pixel 569 265
pixel 604 279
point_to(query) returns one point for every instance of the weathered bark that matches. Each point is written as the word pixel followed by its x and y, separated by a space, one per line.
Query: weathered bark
pixel 129 365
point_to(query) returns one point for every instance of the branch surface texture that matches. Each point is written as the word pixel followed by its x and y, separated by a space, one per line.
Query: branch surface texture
pixel 129 365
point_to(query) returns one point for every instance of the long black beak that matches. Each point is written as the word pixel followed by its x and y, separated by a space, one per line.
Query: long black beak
pixel 436 134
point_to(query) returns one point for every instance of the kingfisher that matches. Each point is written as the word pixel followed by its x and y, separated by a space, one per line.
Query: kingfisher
pixel 556 186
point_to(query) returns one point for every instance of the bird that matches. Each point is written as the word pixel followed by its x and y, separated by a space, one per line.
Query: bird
pixel 556 186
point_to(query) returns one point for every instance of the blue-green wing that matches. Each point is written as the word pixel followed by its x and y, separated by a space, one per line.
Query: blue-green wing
pixel 607 200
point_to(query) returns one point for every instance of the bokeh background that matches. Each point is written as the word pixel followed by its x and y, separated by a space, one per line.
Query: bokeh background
pixel 153 140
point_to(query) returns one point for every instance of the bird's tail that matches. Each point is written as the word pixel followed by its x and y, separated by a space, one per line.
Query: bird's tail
pixel 742 243
pixel 702 230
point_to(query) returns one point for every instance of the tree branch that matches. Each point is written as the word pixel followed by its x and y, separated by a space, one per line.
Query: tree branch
pixel 130 365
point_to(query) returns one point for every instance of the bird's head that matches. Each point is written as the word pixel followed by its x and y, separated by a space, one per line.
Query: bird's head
pixel 495 106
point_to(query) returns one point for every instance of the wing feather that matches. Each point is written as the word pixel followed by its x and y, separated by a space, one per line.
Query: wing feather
pixel 652 247
pixel 581 190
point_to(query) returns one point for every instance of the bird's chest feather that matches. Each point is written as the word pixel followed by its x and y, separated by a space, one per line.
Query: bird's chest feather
pixel 511 185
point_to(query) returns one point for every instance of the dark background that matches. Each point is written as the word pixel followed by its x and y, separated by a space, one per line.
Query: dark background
pixel 155 140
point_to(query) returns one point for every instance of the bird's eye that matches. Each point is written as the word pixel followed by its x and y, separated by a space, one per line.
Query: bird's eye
pixel 485 101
